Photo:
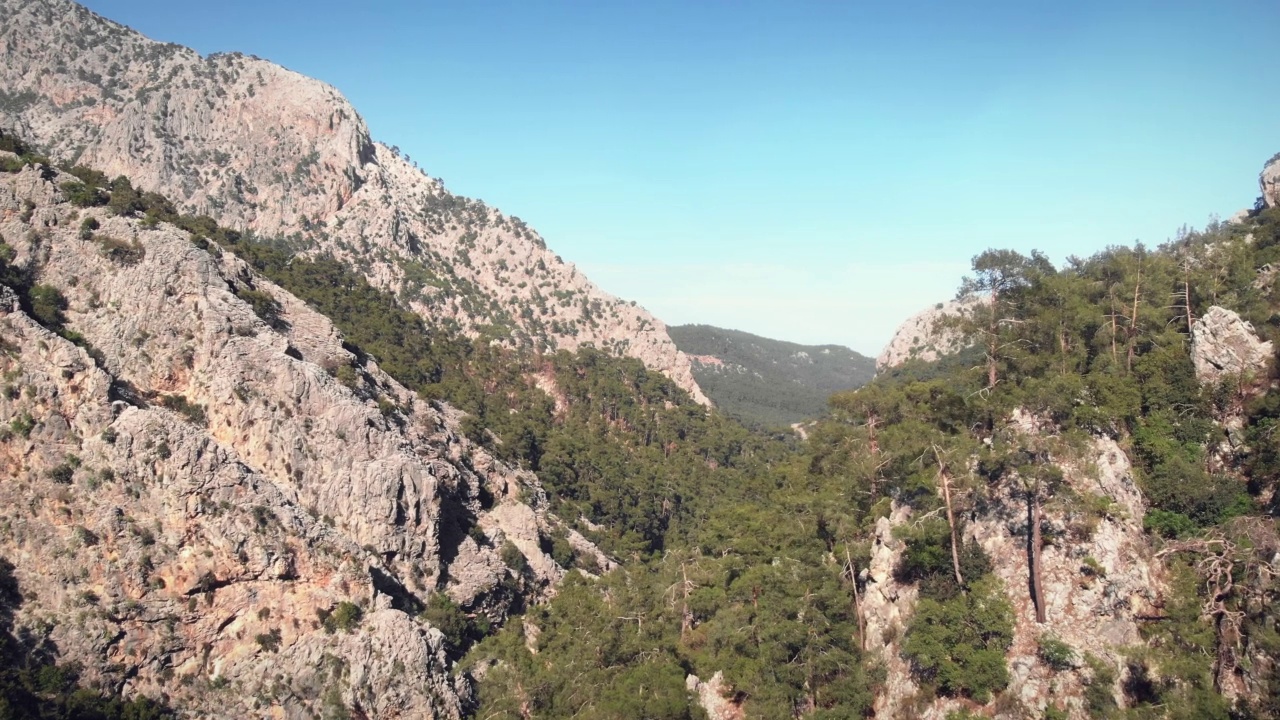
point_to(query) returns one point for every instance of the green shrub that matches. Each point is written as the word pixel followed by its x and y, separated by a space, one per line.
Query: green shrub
pixel 62 474
pixel 1099 697
pixel 47 306
pixel 87 226
pixel 119 251
pixel 22 425
pixel 264 305
pixel 345 617
pixel 1168 524
pixel 193 412
pixel 1056 653
pixel 82 195
pixel 269 642
pixel 445 615
pixel 513 558
pixel 958 645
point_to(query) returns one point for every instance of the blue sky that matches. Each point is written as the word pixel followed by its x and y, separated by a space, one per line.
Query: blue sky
pixel 811 171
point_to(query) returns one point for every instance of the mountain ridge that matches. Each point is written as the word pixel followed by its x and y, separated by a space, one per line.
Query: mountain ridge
pixel 765 381
pixel 258 147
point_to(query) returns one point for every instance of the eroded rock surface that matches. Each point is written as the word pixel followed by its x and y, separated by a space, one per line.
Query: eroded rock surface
pixel 1269 182
pixel 925 336
pixel 1222 343
pixel 1099 583
pixel 185 504
pixel 259 147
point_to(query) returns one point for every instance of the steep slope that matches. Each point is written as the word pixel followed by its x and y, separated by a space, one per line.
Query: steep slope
pixel 214 508
pixel 925 336
pixel 769 382
pixel 258 147
pixel 1079 524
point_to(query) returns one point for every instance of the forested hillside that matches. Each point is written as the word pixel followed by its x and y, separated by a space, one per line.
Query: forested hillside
pixel 765 382
pixel 983 491
pixel 1080 523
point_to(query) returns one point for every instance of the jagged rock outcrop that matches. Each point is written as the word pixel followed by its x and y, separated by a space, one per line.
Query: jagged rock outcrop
pixel 259 147
pixel 1269 182
pixel 1222 343
pixel 712 696
pixel 189 494
pixel 1098 586
pixel 925 335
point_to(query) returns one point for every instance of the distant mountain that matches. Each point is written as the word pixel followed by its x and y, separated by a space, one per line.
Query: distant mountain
pixel 769 382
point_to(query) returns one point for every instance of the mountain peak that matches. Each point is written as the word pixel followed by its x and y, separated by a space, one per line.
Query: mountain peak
pixel 264 149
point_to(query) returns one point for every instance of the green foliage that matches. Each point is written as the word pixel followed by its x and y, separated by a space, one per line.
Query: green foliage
pixel 119 251
pixel 958 645
pixel 48 306
pixel 769 383
pixel 1167 524
pixel 264 305
pixel 22 425
pixel 1099 694
pixel 513 558
pixel 87 226
pixel 193 412
pixel 444 615
pixel 82 194
pixel 270 641
pixel 344 617
pixel 1055 653
pixel 62 474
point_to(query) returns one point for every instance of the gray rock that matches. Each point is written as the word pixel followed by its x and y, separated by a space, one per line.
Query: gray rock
pixel 925 336
pixel 259 147
pixel 195 548
pixel 1222 343
pixel 1269 182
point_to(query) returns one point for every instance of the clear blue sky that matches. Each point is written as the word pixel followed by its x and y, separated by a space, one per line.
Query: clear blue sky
pixel 812 171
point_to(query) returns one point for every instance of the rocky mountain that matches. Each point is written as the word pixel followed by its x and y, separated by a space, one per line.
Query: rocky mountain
pixel 199 508
pixel 236 478
pixel 925 336
pixel 768 382
pixel 258 147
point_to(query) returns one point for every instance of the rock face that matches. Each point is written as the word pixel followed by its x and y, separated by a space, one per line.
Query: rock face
pixel 1269 182
pixel 1222 344
pixel 1098 585
pixel 189 500
pixel 923 336
pixel 258 147
pixel 712 697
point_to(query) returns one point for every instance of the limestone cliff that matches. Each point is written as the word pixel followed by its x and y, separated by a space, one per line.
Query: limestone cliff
pixel 190 492
pixel 925 336
pixel 1100 581
pixel 1269 182
pixel 259 147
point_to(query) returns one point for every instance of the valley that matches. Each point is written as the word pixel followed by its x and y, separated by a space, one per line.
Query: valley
pixel 287 429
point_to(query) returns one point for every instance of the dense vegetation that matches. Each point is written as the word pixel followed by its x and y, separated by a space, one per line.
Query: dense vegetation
pixel 770 383
pixel 742 550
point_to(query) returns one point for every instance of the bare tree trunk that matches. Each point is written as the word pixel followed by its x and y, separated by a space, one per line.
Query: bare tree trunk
pixel 857 600
pixel 686 617
pixel 1133 320
pixel 1115 327
pixel 1033 546
pixel 1186 293
pixel 993 340
pixel 945 478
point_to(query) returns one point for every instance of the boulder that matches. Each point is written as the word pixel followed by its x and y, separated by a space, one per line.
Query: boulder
pixel 1222 343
